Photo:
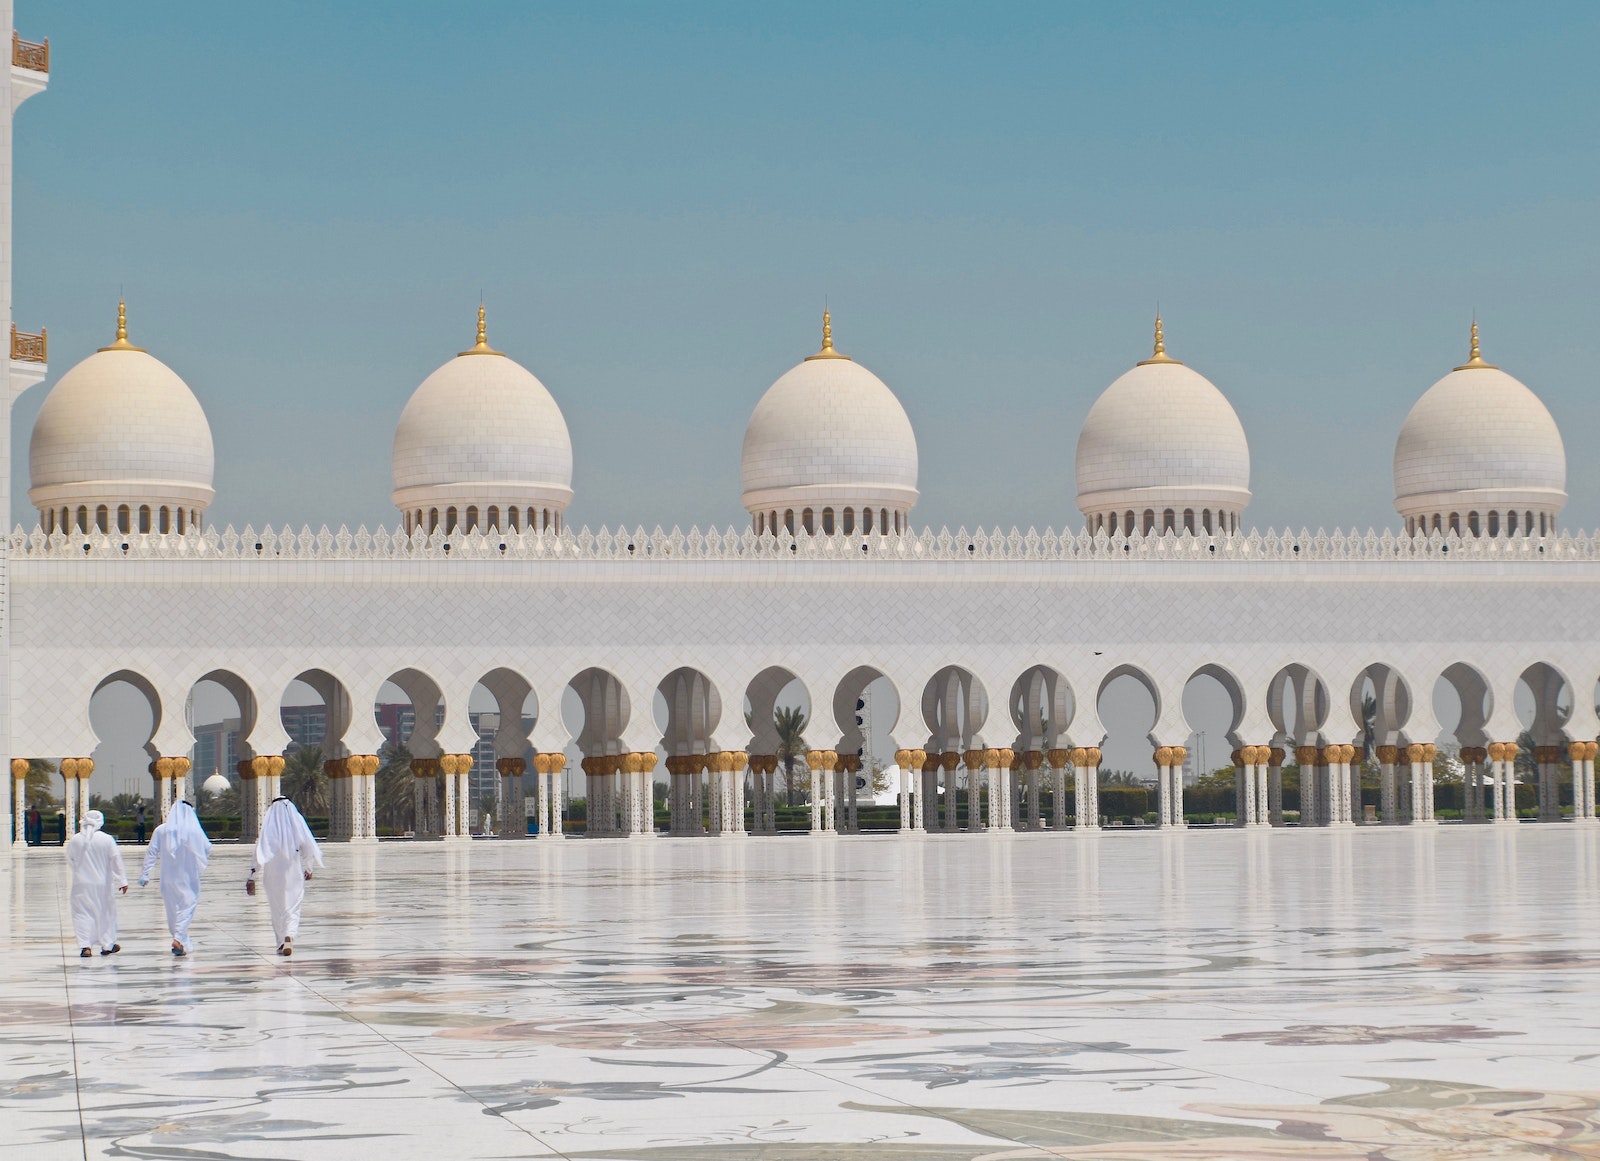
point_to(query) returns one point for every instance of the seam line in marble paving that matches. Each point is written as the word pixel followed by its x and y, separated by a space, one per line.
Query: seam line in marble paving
pixel 256 953
pixel 72 1026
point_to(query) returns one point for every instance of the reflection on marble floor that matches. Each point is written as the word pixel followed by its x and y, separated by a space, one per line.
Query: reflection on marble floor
pixel 1293 994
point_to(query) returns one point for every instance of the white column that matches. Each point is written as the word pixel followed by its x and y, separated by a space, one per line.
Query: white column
pixel 716 794
pixel 69 795
pixel 1472 760
pixel 1420 756
pixel 852 796
pixel 1503 760
pixel 819 788
pixel 1582 755
pixel 1169 771
pixel 950 764
pixel 1337 759
pixel 1548 758
pixel 365 772
pixel 1389 802
pixel 161 771
pixel 973 763
pixel 738 764
pixel 19 803
pixel 902 765
pixel 1058 794
pixel 998 762
pixel 1086 781
pixel 1262 777
pixel 1035 821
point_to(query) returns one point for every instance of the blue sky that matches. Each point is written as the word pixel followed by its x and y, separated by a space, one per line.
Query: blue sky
pixel 303 206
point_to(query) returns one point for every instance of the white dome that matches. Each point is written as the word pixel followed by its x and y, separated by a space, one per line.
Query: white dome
pixel 215 785
pixel 482 431
pixel 121 428
pixel 1479 441
pixel 829 434
pixel 1162 437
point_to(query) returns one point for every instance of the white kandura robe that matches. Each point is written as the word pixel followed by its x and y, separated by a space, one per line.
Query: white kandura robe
pixel 285 854
pixel 183 849
pixel 97 876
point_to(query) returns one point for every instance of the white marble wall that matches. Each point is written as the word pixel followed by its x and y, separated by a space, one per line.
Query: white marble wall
pixel 454 618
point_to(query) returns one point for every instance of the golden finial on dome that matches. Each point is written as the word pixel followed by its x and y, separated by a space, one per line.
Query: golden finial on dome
pixel 1160 355
pixel 827 351
pixel 1474 356
pixel 122 343
pixel 482 346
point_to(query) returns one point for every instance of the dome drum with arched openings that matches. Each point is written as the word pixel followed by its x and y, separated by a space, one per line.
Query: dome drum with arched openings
pixel 1162 450
pixel 482 444
pixel 1480 455
pixel 829 449
pixel 121 444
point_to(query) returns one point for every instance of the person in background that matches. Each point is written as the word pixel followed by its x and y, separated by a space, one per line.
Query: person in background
pixel 61 828
pixel 285 854
pixel 97 876
pixel 35 829
pixel 138 822
pixel 183 849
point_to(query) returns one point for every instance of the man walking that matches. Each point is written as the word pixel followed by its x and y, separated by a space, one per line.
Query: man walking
pixel 97 876
pixel 285 854
pixel 183 849
pixel 138 822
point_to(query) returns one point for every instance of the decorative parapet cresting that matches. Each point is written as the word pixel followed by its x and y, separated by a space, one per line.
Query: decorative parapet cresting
pixel 385 544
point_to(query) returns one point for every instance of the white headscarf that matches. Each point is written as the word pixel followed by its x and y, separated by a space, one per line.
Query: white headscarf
pixel 283 832
pixel 93 820
pixel 186 834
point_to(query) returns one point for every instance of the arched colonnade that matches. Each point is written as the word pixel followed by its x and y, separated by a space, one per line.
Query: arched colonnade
pixel 964 764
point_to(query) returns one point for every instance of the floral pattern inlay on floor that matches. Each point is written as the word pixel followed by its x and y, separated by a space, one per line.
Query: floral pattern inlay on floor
pixel 1295 994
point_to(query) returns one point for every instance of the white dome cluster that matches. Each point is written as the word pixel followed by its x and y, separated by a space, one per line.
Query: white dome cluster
pixel 1162 451
pixel 1480 455
pixel 829 450
pixel 482 445
pixel 121 445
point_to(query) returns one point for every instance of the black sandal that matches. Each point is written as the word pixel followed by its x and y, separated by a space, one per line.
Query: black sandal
pixel 112 950
pixel 86 953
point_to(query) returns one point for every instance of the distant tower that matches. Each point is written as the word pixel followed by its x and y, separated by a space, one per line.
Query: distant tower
pixel 25 367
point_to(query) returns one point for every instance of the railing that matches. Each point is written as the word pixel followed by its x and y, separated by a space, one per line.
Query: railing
pixel 26 348
pixel 27 55
pixel 978 547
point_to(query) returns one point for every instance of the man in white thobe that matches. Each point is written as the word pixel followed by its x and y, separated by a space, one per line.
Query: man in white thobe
pixel 183 849
pixel 285 854
pixel 97 876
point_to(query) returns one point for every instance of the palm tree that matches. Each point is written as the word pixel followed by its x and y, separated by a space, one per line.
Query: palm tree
pixel 396 797
pixel 790 723
pixel 117 806
pixel 304 782
pixel 40 775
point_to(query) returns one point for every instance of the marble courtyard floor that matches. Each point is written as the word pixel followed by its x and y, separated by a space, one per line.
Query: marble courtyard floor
pixel 1378 993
